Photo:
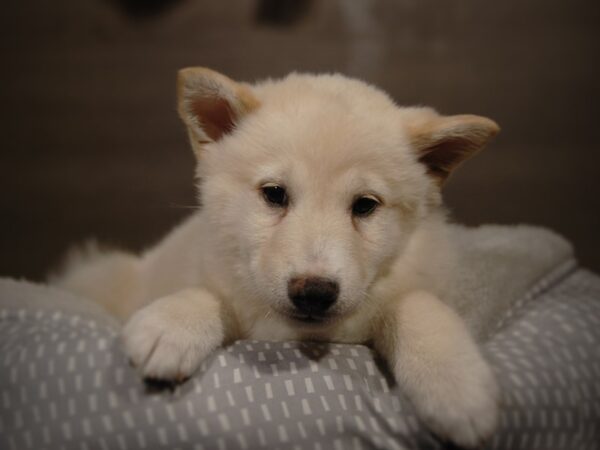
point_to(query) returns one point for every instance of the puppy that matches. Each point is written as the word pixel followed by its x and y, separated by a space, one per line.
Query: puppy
pixel 321 218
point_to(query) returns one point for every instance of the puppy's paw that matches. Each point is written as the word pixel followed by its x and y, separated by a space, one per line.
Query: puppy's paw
pixel 168 339
pixel 460 405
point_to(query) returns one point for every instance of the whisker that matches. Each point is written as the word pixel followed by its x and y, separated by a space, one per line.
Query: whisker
pixel 175 205
pixel 366 295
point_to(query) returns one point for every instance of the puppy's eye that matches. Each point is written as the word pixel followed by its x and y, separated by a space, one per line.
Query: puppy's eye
pixel 364 206
pixel 275 195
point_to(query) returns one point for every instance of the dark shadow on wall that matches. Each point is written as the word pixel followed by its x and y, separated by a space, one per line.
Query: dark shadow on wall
pixel 144 9
pixel 282 12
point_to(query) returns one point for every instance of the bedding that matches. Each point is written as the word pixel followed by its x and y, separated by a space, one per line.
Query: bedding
pixel 65 383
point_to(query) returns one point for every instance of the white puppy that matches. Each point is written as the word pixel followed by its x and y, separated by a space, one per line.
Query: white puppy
pixel 320 218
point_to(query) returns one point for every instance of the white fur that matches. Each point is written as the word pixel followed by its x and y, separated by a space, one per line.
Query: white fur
pixel 169 338
pixel 223 273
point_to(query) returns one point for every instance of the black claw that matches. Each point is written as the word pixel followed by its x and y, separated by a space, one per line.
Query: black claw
pixel 155 385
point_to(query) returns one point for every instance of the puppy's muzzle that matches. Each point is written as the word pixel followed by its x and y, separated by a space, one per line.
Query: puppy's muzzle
pixel 313 296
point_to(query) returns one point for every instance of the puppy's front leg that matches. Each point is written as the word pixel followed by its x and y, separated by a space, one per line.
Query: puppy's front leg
pixel 169 338
pixel 438 365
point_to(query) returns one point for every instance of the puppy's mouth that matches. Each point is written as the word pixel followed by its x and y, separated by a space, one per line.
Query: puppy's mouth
pixel 311 319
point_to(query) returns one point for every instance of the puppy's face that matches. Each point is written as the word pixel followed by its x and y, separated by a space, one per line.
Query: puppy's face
pixel 312 205
pixel 314 184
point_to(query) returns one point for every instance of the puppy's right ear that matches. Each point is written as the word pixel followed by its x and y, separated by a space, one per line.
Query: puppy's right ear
pixel 210 104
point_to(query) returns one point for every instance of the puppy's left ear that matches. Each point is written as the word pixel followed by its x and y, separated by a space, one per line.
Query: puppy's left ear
pixel 442 143
pixel 211 104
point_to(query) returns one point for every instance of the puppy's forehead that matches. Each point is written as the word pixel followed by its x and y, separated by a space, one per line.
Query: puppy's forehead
pixel 328 134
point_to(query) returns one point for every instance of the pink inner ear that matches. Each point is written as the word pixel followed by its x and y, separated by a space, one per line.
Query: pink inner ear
pixel 444 156
pixel 214 116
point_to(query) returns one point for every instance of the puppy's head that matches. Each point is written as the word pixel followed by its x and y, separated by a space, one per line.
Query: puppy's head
pixel 314 184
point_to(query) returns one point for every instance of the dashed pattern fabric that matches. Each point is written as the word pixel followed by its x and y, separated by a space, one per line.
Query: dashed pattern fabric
pixel 65 384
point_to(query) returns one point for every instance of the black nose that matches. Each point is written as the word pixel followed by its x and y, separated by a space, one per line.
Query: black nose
pixel 313 295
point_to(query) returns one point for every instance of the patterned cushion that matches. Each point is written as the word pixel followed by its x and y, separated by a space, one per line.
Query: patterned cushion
pixel 64 383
